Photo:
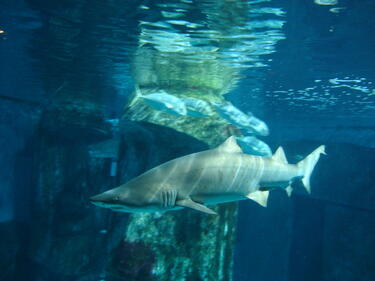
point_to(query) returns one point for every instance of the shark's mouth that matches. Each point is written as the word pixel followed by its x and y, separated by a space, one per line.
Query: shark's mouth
pixel 120 209
pixel 113 207
pixel 109 206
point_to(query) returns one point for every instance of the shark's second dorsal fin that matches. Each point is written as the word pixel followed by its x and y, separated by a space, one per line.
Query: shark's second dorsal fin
pixel 279 155
pixel 230 146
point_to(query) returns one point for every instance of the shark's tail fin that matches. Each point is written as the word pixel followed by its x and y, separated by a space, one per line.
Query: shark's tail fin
pixel 307 165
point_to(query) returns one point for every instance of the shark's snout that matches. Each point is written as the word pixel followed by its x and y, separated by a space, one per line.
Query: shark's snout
pixel 111 199
pixel 96 198
pixel 103 199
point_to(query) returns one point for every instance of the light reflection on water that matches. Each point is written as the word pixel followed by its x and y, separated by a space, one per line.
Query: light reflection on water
pixel 269 62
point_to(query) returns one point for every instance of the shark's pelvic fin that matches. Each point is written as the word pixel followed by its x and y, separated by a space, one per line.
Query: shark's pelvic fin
pixel 279 155
pixel 188 203
pixel 230 146
pixel 261 197
pixel 307 165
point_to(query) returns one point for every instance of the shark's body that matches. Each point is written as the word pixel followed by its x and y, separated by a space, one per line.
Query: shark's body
pixel 214 176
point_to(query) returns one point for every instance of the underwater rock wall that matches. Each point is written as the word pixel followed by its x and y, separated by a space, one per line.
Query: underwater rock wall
pixel 70 239
pixel 155 71
pixel 17 121
pixel 9 250
pixel 181 245
pixel 328 235
pixel 344 183
pixel 263 240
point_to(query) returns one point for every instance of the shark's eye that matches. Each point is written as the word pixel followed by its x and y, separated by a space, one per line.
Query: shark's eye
pixel 116 199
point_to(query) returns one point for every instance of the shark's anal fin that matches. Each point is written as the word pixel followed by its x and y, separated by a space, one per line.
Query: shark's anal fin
pixel 289 190
pixel 261 197
pixel 188 203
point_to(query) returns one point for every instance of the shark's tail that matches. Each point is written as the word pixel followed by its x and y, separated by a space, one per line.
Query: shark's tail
pixel 306 166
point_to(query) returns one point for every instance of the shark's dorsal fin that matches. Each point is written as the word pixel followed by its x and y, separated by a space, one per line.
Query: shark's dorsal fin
pixel 279 155
pixel 188 203
pixel 230 145
pixel 261 197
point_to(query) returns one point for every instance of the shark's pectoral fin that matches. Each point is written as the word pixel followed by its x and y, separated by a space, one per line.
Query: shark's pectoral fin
pixel 188 203
pixel 261 197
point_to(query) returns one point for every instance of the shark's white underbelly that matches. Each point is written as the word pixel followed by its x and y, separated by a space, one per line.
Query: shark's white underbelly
pixel 218 198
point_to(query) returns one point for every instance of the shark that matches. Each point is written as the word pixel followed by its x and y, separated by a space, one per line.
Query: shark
pixel 219 175
pixel 247 122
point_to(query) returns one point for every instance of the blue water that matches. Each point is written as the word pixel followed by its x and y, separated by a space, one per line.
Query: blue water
pixel 69 70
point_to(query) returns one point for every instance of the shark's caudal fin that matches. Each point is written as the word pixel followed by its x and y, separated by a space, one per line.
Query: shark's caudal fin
pixel 307 165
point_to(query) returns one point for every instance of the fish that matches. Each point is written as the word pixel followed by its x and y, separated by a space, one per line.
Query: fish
pixel 326 2
pixel 114 122
pixel 337 81
pixel 252 145
pixel 337 10
pixel 236 117
pixel 257 126
pixel 219 175
pixel 197 108
pixel 163 101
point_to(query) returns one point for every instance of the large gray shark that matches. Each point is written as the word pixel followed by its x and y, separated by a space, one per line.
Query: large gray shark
pixel 219 175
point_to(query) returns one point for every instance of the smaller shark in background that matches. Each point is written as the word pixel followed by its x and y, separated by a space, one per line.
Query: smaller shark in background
pixel 252 145
pixel 197 108
pixel 165 102
pixel 247 122
pixel 162 101
pixel 215 176
pixel 174 105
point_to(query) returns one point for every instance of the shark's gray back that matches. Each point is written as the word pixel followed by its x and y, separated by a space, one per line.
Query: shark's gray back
pixel 211 173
